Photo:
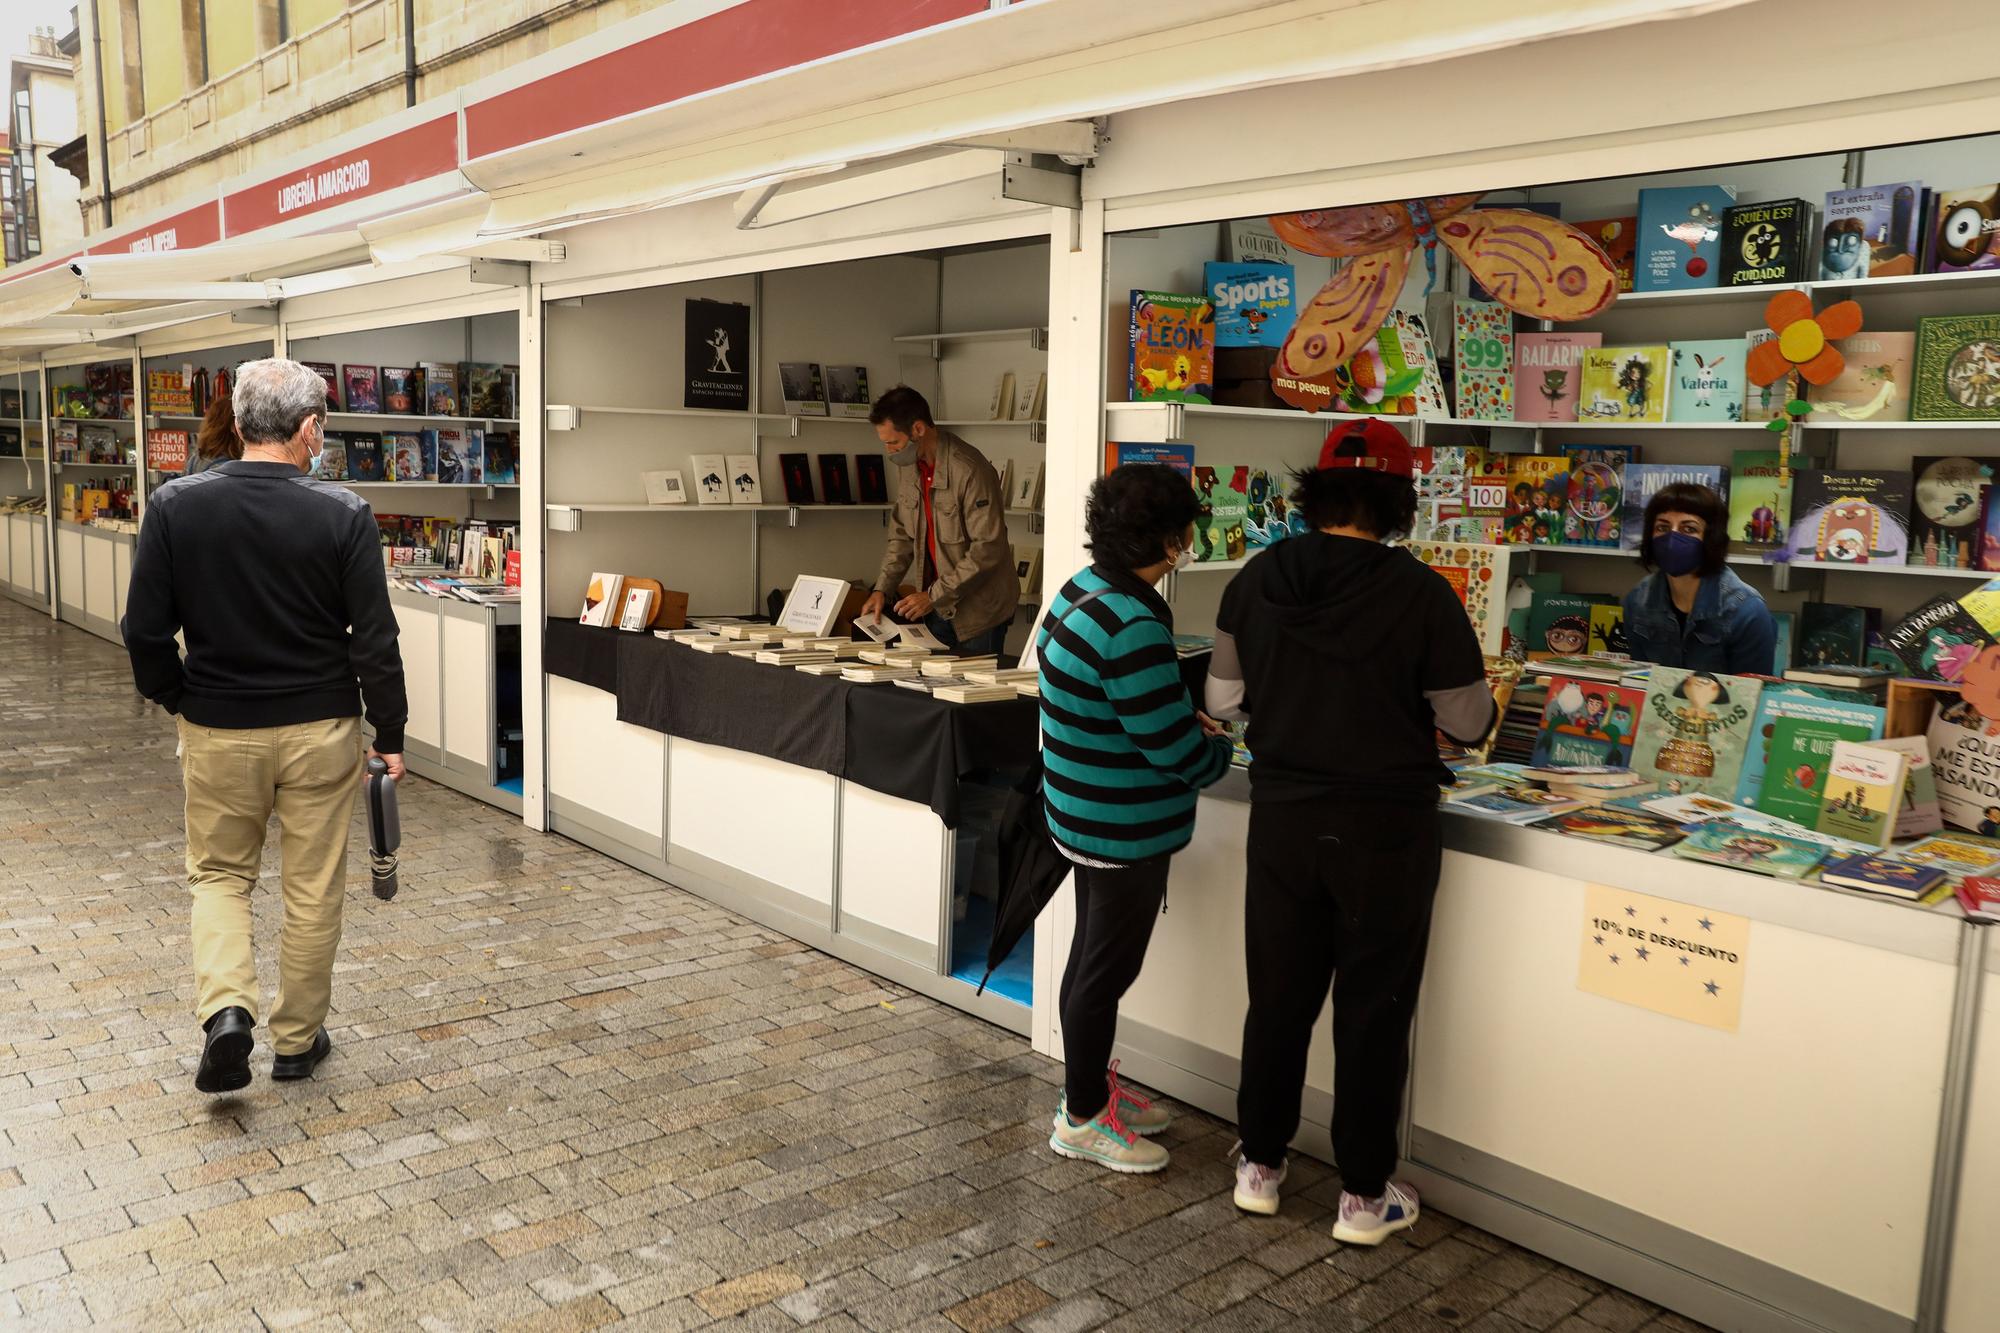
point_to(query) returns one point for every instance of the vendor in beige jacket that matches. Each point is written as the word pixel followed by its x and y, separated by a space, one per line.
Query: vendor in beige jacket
pixel 947 531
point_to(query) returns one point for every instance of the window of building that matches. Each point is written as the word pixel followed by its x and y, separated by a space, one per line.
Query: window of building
pixel 20 219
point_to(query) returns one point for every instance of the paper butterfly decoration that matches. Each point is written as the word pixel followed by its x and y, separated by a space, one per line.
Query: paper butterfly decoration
pixel 1536 265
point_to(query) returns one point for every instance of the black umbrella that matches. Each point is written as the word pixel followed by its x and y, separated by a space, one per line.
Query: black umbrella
pixel 1031 868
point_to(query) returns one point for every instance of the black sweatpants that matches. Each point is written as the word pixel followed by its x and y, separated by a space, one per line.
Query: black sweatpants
pixel 1115 912
pixel 1340 892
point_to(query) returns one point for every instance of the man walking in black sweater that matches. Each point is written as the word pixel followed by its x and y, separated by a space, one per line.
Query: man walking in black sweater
pixel 275 581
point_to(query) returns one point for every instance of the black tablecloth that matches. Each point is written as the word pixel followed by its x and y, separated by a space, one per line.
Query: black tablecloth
pixel 890 740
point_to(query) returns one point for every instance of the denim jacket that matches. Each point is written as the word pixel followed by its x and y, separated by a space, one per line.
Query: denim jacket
pixel 1730 629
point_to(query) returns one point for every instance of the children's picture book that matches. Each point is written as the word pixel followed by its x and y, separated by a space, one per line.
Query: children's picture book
pixel 1957 854
pixel 870 478
pixel 805 395
pixel 1625 384
pixel 1882 874
pixel 503 454
pixel 1617 826
pixel 1874 231
pixel 1957 374
pixel 1179 457
pixel 1917 814
pixel 1874 385
pixel 1594 500
pixel 1945 508
pixel 1617 237
pixel 454 452
pixel 1851 517
pixel 1966 231
pixel 1519 805
pixel 1478 577
pixel 1965 752
pixel 1693 730
pixel 1938 640
pixel 847 392
pixel 746 487
pixel 1759 500
pixel 796 469
pixel 1559 623
pixel 488 390
pixel 1267 513
pixel 440 388
pixel 1786 623
pixel 401 389
pixel 1483 342
pixel 364 457
pixel 405 452
pixel 1708 380
pixel 1607 629
pixel 1763 402
pixel 1255 303
pixel 1864 785
pixel 1537 491
pixel 1173 348
pixel 1589 723
pixel 1788 702
pixel 1761 850
pixel 1645 480
pixel 361 389
pixel 1392 375
pixel 1548 367
pixel 1767 242
pixel 1832 634
pixel 710 476
pixel 1680 237
pixel 833 485
pixel 1800 756
pixel 1224 505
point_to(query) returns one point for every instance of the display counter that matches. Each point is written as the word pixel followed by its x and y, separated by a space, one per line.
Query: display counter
pixel 1783 1166
pixel 24 558
pixel 95 569
pixel 856 819
pixel 461 666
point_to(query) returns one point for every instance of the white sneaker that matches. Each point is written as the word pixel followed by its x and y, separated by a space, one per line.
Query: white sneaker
pixel 1372 1221
pixel 1105 1140
pixel 1257 1186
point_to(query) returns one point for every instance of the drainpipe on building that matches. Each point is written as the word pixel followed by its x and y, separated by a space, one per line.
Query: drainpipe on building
pixel 103 134
pixel 409 52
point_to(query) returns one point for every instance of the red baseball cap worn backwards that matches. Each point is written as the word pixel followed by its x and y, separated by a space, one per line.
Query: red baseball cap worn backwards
pixel 1370 444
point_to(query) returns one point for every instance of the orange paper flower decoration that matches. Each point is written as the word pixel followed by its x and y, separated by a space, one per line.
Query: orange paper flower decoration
pixel 1805 340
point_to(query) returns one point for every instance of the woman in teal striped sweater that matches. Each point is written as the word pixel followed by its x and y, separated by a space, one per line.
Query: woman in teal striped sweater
pixel 1123 754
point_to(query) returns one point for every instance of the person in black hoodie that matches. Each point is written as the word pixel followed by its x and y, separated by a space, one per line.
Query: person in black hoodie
pixel 1346 655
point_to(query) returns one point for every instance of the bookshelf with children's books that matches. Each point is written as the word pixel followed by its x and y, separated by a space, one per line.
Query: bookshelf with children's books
pixel 95 489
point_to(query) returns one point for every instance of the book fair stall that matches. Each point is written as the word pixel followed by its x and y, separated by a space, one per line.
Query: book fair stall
pixel 1698 956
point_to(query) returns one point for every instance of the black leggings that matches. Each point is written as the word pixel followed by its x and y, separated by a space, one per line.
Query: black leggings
pixel 1115 912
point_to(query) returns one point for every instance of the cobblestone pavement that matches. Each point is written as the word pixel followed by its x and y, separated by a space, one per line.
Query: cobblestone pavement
pixel 566 1096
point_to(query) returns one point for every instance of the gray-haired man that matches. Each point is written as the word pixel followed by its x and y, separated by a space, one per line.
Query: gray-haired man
pixel 275 581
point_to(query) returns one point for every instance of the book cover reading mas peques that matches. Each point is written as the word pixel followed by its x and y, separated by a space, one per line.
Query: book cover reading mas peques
pixel 1693 730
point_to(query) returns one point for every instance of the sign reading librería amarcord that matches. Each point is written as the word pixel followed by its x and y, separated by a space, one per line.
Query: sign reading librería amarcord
pixel 1681 961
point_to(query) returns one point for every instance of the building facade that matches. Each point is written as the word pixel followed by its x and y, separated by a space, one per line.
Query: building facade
pixel 176 95
pixel 39 199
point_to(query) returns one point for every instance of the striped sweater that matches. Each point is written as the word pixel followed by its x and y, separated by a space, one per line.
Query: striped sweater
pixel 1123 753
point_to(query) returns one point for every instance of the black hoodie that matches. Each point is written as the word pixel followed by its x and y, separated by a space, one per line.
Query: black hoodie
pixel 1339 640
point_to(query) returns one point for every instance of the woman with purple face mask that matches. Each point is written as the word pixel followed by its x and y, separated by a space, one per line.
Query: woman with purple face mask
pixel 1691 610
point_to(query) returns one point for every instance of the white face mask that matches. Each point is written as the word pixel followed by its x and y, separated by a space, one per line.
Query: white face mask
pixel 1184 560
pixel 315 456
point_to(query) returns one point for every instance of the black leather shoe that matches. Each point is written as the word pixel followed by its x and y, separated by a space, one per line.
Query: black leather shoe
pixel 288 1067
pixel 225 1056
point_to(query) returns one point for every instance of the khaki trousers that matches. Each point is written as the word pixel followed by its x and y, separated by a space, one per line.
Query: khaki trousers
pixel 308 775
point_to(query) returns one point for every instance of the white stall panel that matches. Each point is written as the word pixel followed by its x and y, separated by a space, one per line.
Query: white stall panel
pixel 468 689
pixel 20 539
pixel 893 867
pixel 1201 935
pixel 766 818
pixel 1975 1278
pixel 38 555
pixel 417 635
pixel 99 579
pixel 604 765
pixel 69 560
pixel 1839 1058
pixel 121 578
